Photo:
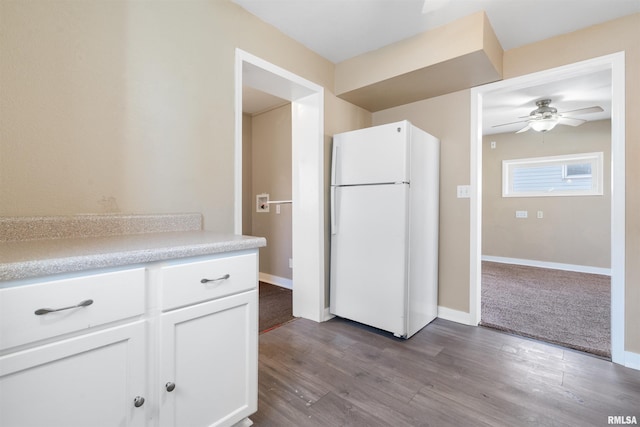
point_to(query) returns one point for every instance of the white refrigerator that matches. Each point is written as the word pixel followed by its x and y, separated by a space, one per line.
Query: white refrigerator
pixel 384 227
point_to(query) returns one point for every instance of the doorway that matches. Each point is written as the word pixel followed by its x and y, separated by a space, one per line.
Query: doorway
pixel 307 133
pixel 614 63
pixel 546 274
pixel 266 175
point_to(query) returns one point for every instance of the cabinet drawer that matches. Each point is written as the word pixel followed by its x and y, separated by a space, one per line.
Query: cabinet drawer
pixel 114 296
pixel 183 284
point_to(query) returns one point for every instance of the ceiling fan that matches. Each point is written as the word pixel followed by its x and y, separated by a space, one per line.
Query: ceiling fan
pixel 544 118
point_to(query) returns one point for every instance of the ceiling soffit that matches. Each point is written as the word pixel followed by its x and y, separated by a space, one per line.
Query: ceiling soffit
pixel 457 56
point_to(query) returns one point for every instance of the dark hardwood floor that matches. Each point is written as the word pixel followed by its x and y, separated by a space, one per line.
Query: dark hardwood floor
pixel 340 373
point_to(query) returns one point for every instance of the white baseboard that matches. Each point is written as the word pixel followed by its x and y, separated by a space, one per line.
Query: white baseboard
pixel 551 265
pixel 632 360
pixel 276 280
pixel 455 315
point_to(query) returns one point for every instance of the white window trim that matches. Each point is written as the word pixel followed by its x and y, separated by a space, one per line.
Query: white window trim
pixel 596 160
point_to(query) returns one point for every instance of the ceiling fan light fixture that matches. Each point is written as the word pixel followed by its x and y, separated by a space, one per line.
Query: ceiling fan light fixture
pixel 544 125
pixel 545 117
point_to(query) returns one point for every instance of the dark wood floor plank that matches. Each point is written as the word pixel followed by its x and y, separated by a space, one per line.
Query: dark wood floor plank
pixel 333 410
pixel 340 373
pixel 376 372
pixel 279 404
pixel 359 383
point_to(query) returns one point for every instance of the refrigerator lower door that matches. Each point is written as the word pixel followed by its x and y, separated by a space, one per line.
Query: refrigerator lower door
pixel 368 255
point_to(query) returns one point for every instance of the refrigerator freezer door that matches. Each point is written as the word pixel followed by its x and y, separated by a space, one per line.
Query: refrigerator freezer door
pixel 368 256
pixel 370 156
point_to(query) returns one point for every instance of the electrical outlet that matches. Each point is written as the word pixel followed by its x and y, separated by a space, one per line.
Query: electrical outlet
pixel 464 191
pixel 522 214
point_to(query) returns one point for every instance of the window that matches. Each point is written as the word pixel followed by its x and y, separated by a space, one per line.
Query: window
pixel 567 175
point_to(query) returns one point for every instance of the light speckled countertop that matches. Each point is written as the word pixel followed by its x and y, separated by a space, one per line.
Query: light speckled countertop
pixel 42 246
pixel 26 259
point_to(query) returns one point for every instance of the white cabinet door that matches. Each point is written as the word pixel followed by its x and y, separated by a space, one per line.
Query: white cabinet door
pixel 90 380
pixel 209 351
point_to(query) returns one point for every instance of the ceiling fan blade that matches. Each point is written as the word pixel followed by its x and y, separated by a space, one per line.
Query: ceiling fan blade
pixel 524 129
pixel 570 121
pixel 589 110
pixel 510 123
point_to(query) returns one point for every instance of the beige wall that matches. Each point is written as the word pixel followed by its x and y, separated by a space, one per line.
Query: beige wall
pixel 447 118
pixel 271 154
pixel 573 230
pixel 127 106
pixel 248 198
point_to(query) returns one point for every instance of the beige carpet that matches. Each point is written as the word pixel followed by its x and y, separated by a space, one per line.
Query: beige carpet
pixel 561 307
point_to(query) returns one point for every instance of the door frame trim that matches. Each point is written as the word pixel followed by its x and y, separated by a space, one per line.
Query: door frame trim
pixel 307 153
pixel 616 63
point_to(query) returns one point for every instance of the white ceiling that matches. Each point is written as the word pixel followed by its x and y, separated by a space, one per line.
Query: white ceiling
pixel 341 29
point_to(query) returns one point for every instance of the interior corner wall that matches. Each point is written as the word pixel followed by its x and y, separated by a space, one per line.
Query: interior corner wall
pixel 573 228
pixel 271 174
pixel 128 106
pixel 447 118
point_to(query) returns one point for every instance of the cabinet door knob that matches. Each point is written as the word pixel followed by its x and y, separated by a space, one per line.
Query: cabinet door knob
pixel 170 386
pixel 138 401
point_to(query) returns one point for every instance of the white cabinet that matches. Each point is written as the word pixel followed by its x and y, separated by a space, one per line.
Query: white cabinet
pixel 209 353
pixel 91 380
pixel 170 344
pixel 82 378
pixel 69 305
pixel 208 358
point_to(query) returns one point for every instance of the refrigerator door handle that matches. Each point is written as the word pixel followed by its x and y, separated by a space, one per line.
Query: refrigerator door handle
pixel 334 164
pixel 334 225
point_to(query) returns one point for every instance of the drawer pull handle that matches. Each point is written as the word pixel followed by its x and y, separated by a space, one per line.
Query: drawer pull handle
pixel 170 386
pixel 138 401
pixel 42 311
pixel 225 277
